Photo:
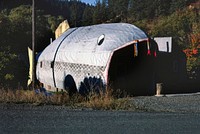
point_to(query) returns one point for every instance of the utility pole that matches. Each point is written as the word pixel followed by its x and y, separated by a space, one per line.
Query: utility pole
pixel 33 44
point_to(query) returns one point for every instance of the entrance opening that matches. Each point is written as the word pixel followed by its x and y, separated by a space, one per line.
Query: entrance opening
pixel 133 74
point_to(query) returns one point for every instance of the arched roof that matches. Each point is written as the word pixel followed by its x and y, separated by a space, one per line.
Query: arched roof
pixel 85 38
pixel 83 42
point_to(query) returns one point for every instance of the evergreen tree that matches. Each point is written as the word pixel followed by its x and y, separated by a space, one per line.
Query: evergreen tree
pixel 97 13
pixel 177 5
pixel 87 16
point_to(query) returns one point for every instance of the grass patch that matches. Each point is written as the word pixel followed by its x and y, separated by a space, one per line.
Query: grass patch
pixel 107 100
pixel 28 96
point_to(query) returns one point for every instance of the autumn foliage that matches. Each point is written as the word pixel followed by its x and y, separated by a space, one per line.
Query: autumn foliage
pixel 193 52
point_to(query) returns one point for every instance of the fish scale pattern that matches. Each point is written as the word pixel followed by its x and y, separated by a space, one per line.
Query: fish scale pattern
pixel 78 71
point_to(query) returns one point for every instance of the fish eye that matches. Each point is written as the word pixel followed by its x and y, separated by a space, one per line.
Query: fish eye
pixel 100 39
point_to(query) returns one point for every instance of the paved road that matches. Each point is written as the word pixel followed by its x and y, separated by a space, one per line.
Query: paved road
pixel 51 119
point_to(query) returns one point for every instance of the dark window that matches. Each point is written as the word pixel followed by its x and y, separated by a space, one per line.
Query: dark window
pixel 167 46
pixel 41 64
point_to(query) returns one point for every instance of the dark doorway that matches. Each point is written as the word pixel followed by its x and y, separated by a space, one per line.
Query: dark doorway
pixel 134 74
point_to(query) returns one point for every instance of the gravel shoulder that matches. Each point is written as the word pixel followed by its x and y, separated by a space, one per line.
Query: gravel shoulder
pixel 173 103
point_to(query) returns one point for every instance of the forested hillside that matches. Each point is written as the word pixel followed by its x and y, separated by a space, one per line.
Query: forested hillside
pixel 177 18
